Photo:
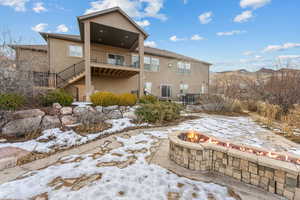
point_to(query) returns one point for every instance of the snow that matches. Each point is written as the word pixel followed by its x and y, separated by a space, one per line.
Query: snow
pixel 139 180
pixel 57 139
pixel 81 104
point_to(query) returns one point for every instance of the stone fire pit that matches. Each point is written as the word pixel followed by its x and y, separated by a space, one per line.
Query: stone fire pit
pixel 273 172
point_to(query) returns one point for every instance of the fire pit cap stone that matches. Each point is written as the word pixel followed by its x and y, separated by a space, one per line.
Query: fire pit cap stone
pixel 243 155
pixel 174 138
pixel 279 165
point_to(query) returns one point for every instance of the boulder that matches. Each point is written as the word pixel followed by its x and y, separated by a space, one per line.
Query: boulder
pixel 56 106
pixel 92 118
pixel 99 108
pixel 49 122
pixel 28 114
pixel 5 117
pixel 21 127
pixel 68 120
pixel 81 110
pixel 194 108
pixel 114 114
pixel 110 108
pixel 130 115
pixel 66 110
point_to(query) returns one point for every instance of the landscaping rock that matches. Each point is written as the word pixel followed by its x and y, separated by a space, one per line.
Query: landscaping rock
pixel 57 106
pixel 50 122
pixel 110 108
pixel 68 120
pixel 99 108
pixel 3 140
pixel 122 108
pixel 21 127
pixel 66 110
pixel 115 114
pixel 92 118
pixel 5 117
pixel 130 115
pixel 28 114
pixel 81 110
pixel 194 108
pixel 10 155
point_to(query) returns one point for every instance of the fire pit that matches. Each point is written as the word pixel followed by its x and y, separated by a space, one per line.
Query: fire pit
pixel 274 172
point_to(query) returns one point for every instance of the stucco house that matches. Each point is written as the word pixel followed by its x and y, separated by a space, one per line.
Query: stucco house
pixel 109 55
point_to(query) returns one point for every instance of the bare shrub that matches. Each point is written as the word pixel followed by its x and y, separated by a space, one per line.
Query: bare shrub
pixel 220 104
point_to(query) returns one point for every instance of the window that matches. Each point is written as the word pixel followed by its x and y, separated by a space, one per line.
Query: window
pixel 135 61
pixel 184 88
pixel 75 51
pixel 166 91
pixel 184 67
pixel 154 64
pixel 148 87
pixel 115 59
pixel 150 63
pixel 147 63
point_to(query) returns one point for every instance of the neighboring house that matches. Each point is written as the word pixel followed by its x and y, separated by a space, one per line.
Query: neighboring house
pixel 109 55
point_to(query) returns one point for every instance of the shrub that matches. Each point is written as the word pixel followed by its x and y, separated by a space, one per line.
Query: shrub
pixel 270 111
pixel 104 99
pixel 219 104
pixel 11 101
pixel 148 99
pixel 158 112
pixel 127 99
pixel 57 96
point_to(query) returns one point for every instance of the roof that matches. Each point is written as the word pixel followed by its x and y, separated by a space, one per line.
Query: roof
pixel 110 10
pixel 43 48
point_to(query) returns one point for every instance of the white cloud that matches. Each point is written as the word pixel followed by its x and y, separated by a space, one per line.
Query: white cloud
pixel 143 23
pixel 18 5
pixel 254 3
pixel 197 37
pixel 286 57
pixel 39 27
pixel 62 28
pixel 244 16
pixel 235 32
pixel 185 1
pixel 39 7
pixel 174 38
pixel 150 43
pixel 248 53
pixel 206 17
pixel 134 8
pixel 281 47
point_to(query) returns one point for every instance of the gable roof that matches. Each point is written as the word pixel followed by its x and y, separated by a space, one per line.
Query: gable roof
pixel 110 10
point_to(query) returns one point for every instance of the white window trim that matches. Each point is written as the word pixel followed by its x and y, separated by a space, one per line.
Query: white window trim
pixel 69 50
pixel 170 90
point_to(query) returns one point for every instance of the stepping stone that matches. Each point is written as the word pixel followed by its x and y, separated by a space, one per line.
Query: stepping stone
pixel 10 155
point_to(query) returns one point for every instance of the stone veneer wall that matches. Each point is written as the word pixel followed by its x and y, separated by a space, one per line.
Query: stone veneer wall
pixel 274 176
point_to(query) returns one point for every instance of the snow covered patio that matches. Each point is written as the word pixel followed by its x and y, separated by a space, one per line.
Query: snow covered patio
pixel 135 165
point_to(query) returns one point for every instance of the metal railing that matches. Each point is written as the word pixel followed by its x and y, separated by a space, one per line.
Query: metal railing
pixel 43 79
pixel 190 99
pixel 116 64
pixel 70 72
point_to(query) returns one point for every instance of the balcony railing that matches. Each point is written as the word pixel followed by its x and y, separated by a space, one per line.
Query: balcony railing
pixel 116 64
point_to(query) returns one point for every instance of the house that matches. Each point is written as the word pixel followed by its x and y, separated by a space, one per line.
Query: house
pixel 109 55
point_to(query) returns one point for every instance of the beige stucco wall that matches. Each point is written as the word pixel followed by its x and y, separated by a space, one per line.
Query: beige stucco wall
pixel 169 75
pixel 102 83
pixel 32 60
pixel 116 20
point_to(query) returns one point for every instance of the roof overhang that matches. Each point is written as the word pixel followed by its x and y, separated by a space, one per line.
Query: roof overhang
pixel 83 18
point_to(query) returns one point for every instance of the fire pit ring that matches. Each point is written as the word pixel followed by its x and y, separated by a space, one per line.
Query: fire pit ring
pixel 273 172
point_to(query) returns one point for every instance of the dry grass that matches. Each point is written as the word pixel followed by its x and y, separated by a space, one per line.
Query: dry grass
pixel 86 129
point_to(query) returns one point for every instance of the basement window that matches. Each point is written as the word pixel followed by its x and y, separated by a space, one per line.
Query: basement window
pixel 75 51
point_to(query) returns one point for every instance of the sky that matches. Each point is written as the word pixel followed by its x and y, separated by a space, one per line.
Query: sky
pixel 230 34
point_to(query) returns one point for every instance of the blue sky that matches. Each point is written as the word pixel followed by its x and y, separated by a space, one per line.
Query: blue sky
pixel 231 34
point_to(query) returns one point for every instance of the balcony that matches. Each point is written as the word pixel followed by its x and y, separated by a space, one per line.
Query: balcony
pixel 113 68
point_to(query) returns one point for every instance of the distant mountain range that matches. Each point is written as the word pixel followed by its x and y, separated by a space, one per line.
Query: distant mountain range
pixel 261 71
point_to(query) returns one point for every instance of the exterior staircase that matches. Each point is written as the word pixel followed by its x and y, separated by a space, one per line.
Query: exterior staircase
pixel 70 75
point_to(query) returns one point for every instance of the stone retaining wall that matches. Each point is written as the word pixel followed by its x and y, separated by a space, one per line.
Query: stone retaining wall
pixel 20 123
pixel 274 176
